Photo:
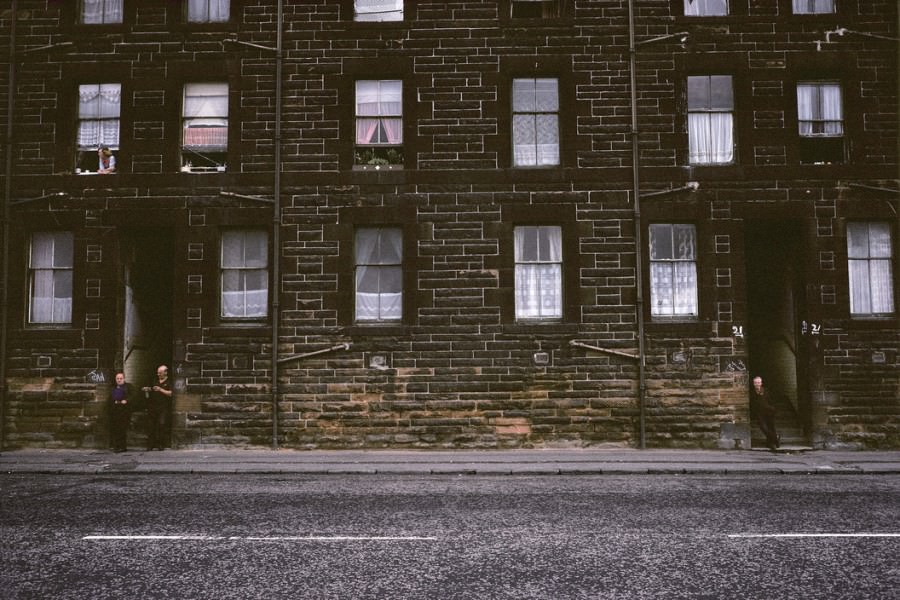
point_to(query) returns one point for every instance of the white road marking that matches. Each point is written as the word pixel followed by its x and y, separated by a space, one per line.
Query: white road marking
pixel 814 535
pixel 206 538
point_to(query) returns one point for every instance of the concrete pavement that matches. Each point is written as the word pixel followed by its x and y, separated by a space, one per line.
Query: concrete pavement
pixel 588 461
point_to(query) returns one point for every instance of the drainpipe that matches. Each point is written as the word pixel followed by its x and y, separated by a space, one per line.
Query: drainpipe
pixel 7 200
pixel 276 224
pixel 638 253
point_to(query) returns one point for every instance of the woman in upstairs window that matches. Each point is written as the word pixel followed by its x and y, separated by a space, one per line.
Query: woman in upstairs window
pixel 106 162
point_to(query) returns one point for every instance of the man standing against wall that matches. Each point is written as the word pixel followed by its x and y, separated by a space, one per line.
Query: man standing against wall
pixel 159 410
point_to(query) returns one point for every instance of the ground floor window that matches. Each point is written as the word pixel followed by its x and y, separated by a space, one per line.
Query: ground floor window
pixel 870 256
pixel 50 277
pixel 673 270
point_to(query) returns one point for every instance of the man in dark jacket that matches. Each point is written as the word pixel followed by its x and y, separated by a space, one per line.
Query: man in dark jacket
pixel 763 412
pixel 159 400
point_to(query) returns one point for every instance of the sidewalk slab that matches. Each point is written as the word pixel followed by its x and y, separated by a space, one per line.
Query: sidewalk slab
pixel 582 461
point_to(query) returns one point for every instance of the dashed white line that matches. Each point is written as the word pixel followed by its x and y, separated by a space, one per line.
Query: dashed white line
pixel 813 535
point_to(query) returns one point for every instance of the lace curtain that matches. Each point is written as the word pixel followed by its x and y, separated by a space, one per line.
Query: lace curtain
pixel 535 122
pixel 379 111
pixel 98 115
pixel 245 276
pixel 378 10
pixel 819 109
pixel 801 7
pixel 51 277
pixel 538 275
pixel 101 11
pixel 705 8
pixel 673 270
pixel 208 11
pixel 870 264
pixel 379 274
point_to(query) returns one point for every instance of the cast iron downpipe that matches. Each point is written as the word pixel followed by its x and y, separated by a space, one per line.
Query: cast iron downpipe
pixel 7 200
pixel 636 200
pixel 276 223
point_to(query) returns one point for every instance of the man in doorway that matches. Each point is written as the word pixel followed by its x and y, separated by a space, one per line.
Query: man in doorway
pixel 159 399
pixel 763 412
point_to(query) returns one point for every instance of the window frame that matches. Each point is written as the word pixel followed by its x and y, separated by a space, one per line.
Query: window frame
pixel 673 262
pixel 217 160
pixel 821 147
pixel 869 260
pixel 535 113
pixel 241 271
pixel 381 318
pixel 356 13
pixel 53 270
pixel 186 16
pixel 729 9
pixel 794 11
pixel 710 110
pixel 521 263
pixel 82 8
pixel 379 155
pixel 86 159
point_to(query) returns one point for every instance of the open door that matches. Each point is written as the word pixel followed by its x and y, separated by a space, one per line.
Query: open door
pixel 775 297
pixel 147 263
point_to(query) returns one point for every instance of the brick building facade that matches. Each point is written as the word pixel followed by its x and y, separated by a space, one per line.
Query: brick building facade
pixel 483 223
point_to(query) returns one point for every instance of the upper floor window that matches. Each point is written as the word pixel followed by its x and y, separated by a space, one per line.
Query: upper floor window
pixel 535 126
pixel 870 257
pixel 208 11
pixel 538 272
pixel 379 122
pixel 378 10
pixel 205 131
pixel 705 8
pixel 673 270
pixel 810 7
pixel 98 124
pixel 50 266
pixel 821 122
pixel 534 9
pixel 378 255
pixel 101 11
pixel 710 119
pixel 245 274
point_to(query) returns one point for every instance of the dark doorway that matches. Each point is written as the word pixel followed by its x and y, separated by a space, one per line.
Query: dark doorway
pixel 147 267
pixel 775 296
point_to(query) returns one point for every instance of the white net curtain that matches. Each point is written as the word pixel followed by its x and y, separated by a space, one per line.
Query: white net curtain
pixel 673 270
pixel 51 277
pixel 379 274
pixel 819 109
pixel 378 10
pixel 705 8
pixel 535 122
pixel 379 112
pixel 870 253
pixel 538 275
pixel 245 275
pixel 710 120
pixel 208 11
pixel 101 11
pixel 98 115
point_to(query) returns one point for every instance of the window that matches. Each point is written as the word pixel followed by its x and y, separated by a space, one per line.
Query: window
pixel 534 9
pixel 870 265
pixel 538 273
pixel 379 122
pixel 98 122
pixel 705 8
pixel 710 119
pixel 673 270
pixel 811 7
pixel 379 274
pixel 101 11
pixel 535 122
pixel 207 11
pixel 205 138
pixel 820 120
pixel 50 277
pixel 245 274
pixel 378 10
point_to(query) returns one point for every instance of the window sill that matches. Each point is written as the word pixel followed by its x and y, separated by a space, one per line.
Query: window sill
pixel 377 167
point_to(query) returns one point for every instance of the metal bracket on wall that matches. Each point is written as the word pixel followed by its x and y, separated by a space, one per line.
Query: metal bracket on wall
pixel 603 350
pixel 344 346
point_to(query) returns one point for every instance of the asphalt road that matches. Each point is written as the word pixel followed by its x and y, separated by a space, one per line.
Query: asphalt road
pixel 264 536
